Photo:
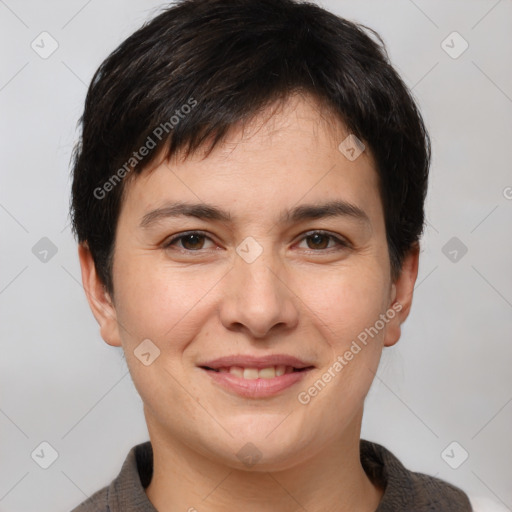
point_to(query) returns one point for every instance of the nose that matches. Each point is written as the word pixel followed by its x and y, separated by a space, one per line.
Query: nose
pixel 258 298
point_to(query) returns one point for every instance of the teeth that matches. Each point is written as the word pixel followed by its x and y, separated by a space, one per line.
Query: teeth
pixel 250 373
pixel 236 370
pixel 266 373
pixel 255 373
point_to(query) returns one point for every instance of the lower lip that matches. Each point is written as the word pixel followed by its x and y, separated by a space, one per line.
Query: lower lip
pixel 256 388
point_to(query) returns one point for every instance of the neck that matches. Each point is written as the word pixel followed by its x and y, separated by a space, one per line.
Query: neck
pixel 332 480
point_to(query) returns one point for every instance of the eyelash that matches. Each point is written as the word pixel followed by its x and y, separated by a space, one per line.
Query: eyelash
pixel 342 244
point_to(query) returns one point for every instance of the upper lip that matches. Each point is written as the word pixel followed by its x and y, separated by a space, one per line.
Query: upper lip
pixel 249 361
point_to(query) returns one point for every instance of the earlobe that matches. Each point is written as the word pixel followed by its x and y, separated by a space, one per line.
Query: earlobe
pixel 402 295
pixel 100 302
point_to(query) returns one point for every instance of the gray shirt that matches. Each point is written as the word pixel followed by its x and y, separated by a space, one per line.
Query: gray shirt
pixel 405 491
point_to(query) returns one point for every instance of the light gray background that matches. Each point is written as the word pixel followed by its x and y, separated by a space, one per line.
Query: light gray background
pixel 449 378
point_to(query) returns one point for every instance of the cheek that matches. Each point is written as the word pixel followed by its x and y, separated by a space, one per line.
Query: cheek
pixel 162 304
pixel 155 300
pixel 348 302
pixel 348 308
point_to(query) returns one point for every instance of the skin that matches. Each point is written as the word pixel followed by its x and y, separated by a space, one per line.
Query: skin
pixel 305 297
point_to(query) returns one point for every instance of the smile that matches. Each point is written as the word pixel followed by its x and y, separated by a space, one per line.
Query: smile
pixel 256 382
pixel 257 373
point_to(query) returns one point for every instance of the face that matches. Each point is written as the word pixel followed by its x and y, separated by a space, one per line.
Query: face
pixel 267 304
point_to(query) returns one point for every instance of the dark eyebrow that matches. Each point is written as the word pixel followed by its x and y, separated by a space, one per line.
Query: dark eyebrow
pixel 300 213
pixel 337 208
pixel 200 211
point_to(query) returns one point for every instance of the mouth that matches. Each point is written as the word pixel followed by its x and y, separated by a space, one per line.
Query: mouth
pixel 248 373
pixel 253 377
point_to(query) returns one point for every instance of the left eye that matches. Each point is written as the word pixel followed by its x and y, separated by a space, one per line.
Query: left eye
pixel 320 240
pixel 316 240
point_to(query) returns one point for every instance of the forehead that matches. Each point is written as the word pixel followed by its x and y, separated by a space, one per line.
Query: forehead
pixel 288 154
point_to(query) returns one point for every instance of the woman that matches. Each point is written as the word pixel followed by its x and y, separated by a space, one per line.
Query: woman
pixel 248 197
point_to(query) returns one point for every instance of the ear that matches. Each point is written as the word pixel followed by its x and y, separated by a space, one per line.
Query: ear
pixel 101 304
pixel 401 295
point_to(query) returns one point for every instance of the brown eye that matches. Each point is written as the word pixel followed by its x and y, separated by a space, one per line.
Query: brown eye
pixel 189 241
pixel 319 241
pixel 193 242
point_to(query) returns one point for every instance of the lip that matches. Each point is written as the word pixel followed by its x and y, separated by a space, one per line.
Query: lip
pixel 248 361
pixel 255 388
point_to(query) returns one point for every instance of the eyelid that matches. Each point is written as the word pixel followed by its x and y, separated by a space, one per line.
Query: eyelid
pixel 340 241
pixel 168 242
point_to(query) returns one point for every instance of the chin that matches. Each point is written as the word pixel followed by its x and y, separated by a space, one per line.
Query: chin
pixel 265 450
pixel 251 458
